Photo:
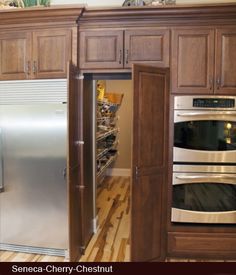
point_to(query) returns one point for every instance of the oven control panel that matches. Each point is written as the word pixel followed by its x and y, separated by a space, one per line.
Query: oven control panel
pixel 214 102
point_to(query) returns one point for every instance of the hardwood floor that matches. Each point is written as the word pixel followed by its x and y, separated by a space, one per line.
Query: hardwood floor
pixel 111 242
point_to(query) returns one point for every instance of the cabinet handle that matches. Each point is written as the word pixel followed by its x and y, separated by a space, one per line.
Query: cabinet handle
pixel 120 56
pixel 35 67
pixel 211 83
pixel 127 57
pixel 218 83
pixel 27 68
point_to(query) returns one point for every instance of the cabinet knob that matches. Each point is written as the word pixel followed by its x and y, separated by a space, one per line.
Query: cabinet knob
pixel 120 56
pixel 127 57
pixel 211 83
pixel 27 68
pixel 35 67
pixel 218 82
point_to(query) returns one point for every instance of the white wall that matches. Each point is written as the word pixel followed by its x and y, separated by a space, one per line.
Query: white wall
pixel 120 2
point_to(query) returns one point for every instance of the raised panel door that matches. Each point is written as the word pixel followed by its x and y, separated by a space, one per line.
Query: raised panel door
pixel 51 52
pixel 101 49
pixel 74 165
pixel 15 55
pixel 147 46
pixel 192 61
pixel 149 163
pixel 225 61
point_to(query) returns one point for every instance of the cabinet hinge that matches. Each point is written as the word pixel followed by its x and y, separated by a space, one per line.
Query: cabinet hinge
pixel 79 142
pixel 79 76
pixel 136 172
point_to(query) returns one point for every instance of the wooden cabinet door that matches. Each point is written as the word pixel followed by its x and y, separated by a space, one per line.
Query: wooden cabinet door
pixel 147 46
pixel 80 163
pixel 225 61
pixel 51 52
pixel 192 61
pixel 101 49
pixel 86 117
pixel 73 166
pixel 149 164
pixel 15 55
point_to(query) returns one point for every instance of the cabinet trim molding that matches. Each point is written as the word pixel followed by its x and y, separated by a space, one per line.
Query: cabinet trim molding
pixel 66 13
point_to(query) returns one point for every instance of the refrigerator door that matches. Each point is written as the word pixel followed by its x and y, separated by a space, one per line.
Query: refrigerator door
pixel 34 199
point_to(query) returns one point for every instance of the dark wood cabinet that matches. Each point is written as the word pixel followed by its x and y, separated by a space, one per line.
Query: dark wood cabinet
pixel 51 52
pixel 37 54
pixel 203 61
pixel 103 49
pixel 150 162
pixel 194 245
pixel 15 54
pixel 192 60
pixel 79 163
pixel 147 46
pixel 225 77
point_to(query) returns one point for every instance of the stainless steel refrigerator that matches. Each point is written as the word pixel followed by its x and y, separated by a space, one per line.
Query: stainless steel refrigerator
pixel 33 190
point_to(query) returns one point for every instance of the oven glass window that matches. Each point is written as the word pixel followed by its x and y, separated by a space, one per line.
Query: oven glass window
pixel 205 197
pixel 210 135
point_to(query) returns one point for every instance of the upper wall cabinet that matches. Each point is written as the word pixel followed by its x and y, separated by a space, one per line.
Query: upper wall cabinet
pixel 51 52
pixel 147 46
pixel 37 54
pixel 103 49
pixel 225 60
pixel 15 55
pixel 192 60
pixel 203 61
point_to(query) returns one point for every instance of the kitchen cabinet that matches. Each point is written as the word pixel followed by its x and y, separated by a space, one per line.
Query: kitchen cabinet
pixel 80 163
pixel 192 60
pixel 196 244
pixel 149 163
pixel 103 49
pixel 51 50
pixel 225 76
pixel 15 55
pixel 203 61
pixel 147 46
pixel 36 54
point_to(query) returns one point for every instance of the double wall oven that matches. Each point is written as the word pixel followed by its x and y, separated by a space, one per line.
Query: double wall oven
pixel 204 157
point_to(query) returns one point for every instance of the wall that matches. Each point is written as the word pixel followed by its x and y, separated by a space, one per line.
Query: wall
pixel 120 2
pixel 125 120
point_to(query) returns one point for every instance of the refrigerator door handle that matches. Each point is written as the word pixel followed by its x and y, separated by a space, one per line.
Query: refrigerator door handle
pixel 1 163
pixel 64 173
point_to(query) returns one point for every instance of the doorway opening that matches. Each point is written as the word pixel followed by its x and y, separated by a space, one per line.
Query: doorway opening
pixel 112 135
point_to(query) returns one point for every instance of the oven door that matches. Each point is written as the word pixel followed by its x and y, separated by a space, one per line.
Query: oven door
pixel 204 136
pixel 204 198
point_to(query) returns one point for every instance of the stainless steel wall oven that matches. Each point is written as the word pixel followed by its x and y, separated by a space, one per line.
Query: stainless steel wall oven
pixel 205 129
pixel 204 170
pixel 204 194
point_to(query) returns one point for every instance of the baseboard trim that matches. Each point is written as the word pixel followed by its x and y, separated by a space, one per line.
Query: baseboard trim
pixel 118 172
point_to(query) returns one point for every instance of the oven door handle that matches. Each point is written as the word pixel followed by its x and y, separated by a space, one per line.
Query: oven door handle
pixel 215 113
pixel 208 178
